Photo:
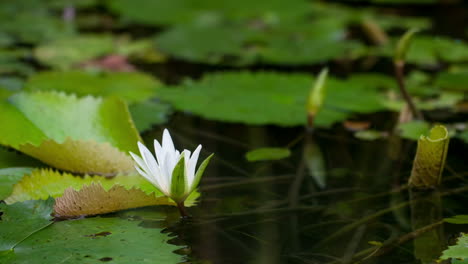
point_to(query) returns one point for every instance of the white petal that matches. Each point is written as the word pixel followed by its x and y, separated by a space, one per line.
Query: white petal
pixel 152 180
pixel 158 150
pixel 167 172
pixel 193 164
pixel 141 163
pixel 167 143
pixel 151 163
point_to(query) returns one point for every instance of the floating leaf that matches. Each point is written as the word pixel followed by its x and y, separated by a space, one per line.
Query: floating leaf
pixel 457 81
pixel 95 240
pixel 428 50
pixel 271 98
pixel 67 52
pixel 239 44
pixel 148 113
pixel 430 158
pixel 94 199
pixel 267 154
pixel 458 252
pixel 457 219
pixel 21 220
pixel 31 21
pixel 414 129
pixel 43 183
pixel 88 135
pixel 160 12
pixel 12 158
pixel 131 86
pixel 9 177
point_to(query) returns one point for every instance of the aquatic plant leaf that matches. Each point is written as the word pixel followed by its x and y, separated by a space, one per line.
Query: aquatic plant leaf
pixel 457 219
pixel 43 183
pixel 262 154
pixel 428 50
pixel 430 158
pixel 456 81
pixel 12 158
pixel 22 220
pixel 130 86
pixel 95 240
pixel 31 21
pixel 457 252
pixel 87 135
pixel 148 113
pixel 9 177
pixel 160 12
pixel 94 199
pixel 240 45
pixel 414 129
pixel 271 98
pixel 65 53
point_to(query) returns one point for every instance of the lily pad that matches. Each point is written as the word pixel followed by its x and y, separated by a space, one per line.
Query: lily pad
pixel 458 252
pixel 413 130
pixel 148 113
pixel 12 158
pixel 31 21
pixel 95 240
pixel 240 44
pixel 76 134
pixel 67 52
pixel 426 50
pixel 267 154
pixel 9 177
pixel 44 183
pixel 130 86
pixel 160 12
pixel 93 200
pixel 21 220
pixel 271 98
pixel 456 81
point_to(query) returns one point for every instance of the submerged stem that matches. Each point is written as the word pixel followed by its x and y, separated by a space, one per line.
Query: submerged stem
pixel 400 77
pixel 182 210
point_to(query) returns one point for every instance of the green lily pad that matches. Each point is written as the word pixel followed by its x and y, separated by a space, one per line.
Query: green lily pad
pixel 95 240
pixel 426 50
pixel 458 252
pixel 31 21
pixel 9 177
pixel 413 130
pixel 267 154
pixel 239 44
pixel 457 219
pixel 21 220
pixel 148 113
pixel 160 12
pixel 44 183
pixel 130 86
pixel 271 98
pixel 67 52
pixel 76 134
pixel 12 158
pixel 456 81
pixel 11 62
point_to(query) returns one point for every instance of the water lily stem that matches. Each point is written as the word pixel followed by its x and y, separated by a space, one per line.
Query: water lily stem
pixel 400 77
pixel 182 210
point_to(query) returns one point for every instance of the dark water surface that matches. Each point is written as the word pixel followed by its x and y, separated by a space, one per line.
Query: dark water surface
pixel 276 211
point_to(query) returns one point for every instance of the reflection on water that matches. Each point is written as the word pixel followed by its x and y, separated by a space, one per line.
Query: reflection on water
pixel 356 208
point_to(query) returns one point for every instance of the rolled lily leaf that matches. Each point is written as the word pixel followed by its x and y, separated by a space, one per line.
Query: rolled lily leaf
pixel 430 158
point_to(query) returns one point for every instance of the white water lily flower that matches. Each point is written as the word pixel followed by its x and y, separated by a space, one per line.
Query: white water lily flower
pixel 172 172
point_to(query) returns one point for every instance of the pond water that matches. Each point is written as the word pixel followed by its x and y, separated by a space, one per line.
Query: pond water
pixel 278 212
